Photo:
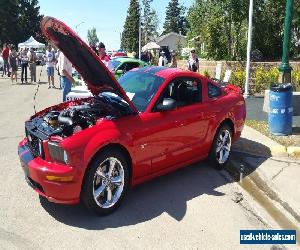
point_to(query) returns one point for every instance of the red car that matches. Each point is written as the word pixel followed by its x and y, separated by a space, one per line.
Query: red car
pixel 153 121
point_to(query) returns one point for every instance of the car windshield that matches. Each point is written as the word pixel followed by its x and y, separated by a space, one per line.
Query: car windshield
pixel 113 64
pixel 140 87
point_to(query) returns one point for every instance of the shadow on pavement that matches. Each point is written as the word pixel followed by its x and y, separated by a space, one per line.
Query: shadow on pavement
pixel 166 194
pixel 296 131
pixel 251 147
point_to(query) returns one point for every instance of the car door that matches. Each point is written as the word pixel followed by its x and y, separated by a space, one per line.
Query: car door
pixel 182 130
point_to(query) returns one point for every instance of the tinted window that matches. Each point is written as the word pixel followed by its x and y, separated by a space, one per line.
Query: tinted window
pixel 129 66
pixel 113 64
pixel 213 91
pixel 185 91
pixel 140 87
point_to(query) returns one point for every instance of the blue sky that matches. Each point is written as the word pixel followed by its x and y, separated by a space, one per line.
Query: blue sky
pixel 107 17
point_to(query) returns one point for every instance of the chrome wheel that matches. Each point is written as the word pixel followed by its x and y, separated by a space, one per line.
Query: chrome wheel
pixel 223 146
pixel 108 183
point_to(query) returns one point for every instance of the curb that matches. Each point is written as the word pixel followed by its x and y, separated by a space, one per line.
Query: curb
pixel 277 150
pixel 264 185
pixel 293 152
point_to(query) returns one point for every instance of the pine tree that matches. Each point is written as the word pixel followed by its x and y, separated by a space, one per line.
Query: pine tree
pixel 19 20
pixel 172 17
pixel 29 20
pixel 149 21
pixel 9 17
pixel 92 37
pixel 130 35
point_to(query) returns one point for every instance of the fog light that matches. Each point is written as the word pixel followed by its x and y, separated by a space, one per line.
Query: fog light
pixel 59 178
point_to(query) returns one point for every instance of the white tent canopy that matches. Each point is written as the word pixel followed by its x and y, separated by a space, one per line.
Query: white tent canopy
pixel 31 43
pixel 150 45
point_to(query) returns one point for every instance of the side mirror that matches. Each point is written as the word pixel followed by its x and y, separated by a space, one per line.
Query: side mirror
pixel 167 104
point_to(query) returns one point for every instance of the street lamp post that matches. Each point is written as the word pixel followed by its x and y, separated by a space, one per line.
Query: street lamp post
pixel 246 93
pixel 285 68
pixel 78 26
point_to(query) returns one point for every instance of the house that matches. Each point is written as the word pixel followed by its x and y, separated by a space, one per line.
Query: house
pixel 171 40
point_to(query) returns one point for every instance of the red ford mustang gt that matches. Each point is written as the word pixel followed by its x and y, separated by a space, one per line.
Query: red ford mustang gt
pixel 153 121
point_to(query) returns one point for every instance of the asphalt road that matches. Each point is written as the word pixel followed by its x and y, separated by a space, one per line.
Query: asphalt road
pixel 254 106
pixel 192 208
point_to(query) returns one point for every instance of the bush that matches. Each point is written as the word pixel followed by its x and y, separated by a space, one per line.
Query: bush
pixel 264 78
pixel 238 78
pixel 296 80
pixel 206 73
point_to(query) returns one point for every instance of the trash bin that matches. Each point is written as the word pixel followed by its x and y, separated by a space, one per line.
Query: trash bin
pixel 280 109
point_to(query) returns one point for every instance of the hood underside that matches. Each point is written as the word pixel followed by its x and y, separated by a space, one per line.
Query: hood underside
pixel 96 75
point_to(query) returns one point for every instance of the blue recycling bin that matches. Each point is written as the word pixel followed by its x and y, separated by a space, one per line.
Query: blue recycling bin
pixel 280 109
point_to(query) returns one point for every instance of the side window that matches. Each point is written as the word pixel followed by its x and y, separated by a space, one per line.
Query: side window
pixel 128 66
pixel 213 90
pixel 185 91
pixel 132 65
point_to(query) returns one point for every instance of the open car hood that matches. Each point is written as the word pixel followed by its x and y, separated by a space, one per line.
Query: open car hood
pixel 96 75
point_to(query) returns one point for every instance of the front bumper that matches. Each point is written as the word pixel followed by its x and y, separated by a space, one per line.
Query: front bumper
pixel 36 170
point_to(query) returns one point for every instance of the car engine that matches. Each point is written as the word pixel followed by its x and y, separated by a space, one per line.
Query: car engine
pixel 75 118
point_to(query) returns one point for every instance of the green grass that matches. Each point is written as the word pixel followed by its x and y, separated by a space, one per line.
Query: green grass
pixel 262 127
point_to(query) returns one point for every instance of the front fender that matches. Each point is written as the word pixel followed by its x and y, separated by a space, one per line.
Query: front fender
pixel 99 141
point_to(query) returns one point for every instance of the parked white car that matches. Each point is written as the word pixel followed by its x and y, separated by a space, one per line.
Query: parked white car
pixel 78 92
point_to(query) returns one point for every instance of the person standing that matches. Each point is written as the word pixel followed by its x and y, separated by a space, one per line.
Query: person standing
pixel 193 62
pixel 13 57
pixel 173 60
pixel 102 54
pixel 162 61
pixel 65 72
pixel 24 65
pixel 32 65
pixel 50 62
pixel 5 55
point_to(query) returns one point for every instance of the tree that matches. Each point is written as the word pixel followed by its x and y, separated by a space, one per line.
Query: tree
pixel 222 24
pixel 92 37
pixel 20 19
pixel 175 20
pixel 149 22
pixel 29 19
pixel 130 34
pixel 9 17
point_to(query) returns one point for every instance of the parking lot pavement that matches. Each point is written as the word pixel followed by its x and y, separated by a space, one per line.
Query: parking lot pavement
pixel 194 207
pixel 254 108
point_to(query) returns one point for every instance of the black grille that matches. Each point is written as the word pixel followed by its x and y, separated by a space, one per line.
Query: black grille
pixel 34 144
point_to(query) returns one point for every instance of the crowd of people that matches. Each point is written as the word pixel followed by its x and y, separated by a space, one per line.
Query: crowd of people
pixel 12 60
pixel 26 58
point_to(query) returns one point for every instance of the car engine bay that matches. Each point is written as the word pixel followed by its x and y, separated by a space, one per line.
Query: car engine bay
pixel 76 118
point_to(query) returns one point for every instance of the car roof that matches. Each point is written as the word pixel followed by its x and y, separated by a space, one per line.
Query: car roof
pixel 127 59
pixel 159 70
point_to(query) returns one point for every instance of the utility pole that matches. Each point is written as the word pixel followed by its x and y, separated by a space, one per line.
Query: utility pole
pixel 285 68
pixel 246 93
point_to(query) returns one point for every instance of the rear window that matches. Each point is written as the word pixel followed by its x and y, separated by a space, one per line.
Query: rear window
pixel 213 91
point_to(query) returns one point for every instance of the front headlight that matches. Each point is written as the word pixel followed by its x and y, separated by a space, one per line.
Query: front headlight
pixel 57 153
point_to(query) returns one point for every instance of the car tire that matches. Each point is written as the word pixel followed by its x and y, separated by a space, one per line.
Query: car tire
pixel 221 147
pixel 106 182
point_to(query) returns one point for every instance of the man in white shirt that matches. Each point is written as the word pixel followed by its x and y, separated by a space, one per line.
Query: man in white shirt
pixel 50 62
pixel 162 61
pixel 65 71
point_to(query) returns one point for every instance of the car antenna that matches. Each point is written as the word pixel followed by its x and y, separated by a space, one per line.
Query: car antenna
pixel 37 89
